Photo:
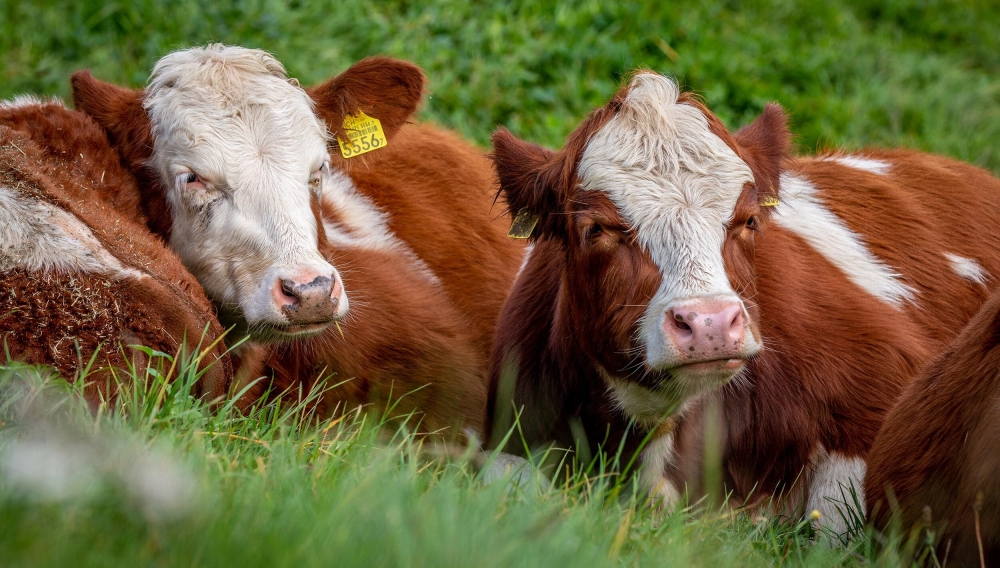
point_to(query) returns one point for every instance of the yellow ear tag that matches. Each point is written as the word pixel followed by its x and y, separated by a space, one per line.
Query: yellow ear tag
pixel 770 201
pixel 523 225
pixel 365 134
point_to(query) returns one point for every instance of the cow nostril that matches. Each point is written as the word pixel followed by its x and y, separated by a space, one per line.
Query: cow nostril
pixel 680 324
pixel 288 288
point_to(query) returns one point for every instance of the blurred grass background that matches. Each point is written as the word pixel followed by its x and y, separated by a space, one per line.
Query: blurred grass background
pixel 917 73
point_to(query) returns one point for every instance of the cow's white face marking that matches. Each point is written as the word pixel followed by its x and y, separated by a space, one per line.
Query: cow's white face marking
pixel 803 212
pixel 676 183
pixel 870 165
pixel 966 268
pixel 239 149
pixel 37 236
pixel 831 479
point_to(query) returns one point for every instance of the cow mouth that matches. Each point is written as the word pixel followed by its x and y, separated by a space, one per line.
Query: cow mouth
pixel 711 366
pixel 276 332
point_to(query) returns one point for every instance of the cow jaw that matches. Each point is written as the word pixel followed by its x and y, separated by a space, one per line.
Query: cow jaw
pixel 677 184
pixel 239 149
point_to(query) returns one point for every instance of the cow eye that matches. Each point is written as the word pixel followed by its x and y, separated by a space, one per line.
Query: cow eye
pixel 753 223
pixel 594 230
pixel 189 179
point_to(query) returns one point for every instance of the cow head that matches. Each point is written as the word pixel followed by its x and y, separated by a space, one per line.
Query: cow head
pixel 656 206
pixel 233 159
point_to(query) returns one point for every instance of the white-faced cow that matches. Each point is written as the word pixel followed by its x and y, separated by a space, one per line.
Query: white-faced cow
pixel 233 158
pixel 937 456
pixel 671 258
pixel 81 275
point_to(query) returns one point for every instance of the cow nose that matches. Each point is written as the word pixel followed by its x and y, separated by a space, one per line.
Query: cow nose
pixel 308 297
pixel 706 329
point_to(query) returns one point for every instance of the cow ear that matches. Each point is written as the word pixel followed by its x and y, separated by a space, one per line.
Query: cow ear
pixel 766 142
pixel 381 87
pixel 530 181
pixel 120 113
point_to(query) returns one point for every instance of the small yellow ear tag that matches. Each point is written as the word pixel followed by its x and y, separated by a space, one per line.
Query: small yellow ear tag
pixel 770 201
pixel 365 134
pixel 523 225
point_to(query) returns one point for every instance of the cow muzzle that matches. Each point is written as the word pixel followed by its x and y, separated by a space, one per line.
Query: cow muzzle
pixel 309 300
pixel 708 335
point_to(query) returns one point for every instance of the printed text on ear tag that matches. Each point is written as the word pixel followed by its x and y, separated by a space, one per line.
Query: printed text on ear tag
pixel 770 201
pixel 523 225
pixel 364 134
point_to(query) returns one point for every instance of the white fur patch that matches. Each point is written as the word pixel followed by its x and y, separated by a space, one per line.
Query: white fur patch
pixel 656 456
pixel 21 101
pixel 364 226
pixel 648 407
pixel 231 116
pixel 803 212
pixel 967 268
pixel 676 183
pixel 831 479
pixel 871 165
pixel 39 237
pixel 524 261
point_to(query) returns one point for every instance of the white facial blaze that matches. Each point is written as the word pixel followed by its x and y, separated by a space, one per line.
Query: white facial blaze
pixel 230 116
pixel 677 184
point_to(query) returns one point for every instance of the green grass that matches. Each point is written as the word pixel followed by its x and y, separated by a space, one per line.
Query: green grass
pixel 273 487
pixel 159 478
pixel 919 73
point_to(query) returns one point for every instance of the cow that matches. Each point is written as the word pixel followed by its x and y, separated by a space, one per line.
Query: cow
pixel 82 278
pixel 242 169
pixel 936 458
pixel 675 265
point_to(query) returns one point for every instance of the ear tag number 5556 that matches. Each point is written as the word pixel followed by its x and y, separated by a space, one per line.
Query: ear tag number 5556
pixel 364 134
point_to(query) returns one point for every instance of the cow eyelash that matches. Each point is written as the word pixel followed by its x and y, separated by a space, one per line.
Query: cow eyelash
pixel 753 223
pixel 594 230
pixel 187 178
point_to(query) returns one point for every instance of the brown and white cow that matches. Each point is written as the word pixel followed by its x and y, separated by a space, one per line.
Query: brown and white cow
pixel 425 263
pixel 81 276
pixel 939 448
pixel 664 268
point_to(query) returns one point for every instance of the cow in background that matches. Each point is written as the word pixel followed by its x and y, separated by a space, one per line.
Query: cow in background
pixel 81 276
pixel 233 158
pixel 937 456
pixel 676 264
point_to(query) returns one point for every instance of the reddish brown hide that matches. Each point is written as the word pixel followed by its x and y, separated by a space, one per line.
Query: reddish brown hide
pixel 60 162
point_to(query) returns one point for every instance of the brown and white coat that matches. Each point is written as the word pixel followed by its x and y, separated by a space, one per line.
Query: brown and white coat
pixel 829 281
pixel 81 275
pixel 406 233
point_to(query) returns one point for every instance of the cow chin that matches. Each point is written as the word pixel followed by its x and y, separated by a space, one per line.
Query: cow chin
pixel 665 393
pixel 702 376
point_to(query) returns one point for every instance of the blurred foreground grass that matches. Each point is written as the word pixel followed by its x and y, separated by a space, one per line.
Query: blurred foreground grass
pixel 919 73
pixel 157 478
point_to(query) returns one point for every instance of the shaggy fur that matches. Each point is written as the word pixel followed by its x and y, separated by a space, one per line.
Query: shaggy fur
pixel 81 275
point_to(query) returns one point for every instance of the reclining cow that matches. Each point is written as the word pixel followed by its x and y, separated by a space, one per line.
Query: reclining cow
pixel 234 166
pixel 672 258
pixel 937 456
pixel 82 278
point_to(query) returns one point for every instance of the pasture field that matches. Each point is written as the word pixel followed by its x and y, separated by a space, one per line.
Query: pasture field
pixel 157 478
